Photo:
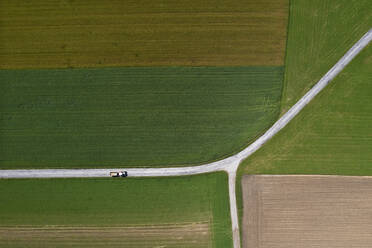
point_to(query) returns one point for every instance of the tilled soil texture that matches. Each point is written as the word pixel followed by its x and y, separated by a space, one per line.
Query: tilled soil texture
pixel 307 211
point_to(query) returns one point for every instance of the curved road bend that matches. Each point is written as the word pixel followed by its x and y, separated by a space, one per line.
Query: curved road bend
pixel 229 164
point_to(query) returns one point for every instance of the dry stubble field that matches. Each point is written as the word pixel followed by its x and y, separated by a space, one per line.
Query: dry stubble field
pixel 91 33
pixel 307 211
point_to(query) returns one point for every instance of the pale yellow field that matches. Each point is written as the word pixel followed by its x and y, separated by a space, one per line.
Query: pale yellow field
pixel 307 212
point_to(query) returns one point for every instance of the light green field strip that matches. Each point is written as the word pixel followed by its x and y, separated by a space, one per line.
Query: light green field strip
pixel 319 33
pixel 333 135
pixel 123 117
pixel 95 33
pixel 166 211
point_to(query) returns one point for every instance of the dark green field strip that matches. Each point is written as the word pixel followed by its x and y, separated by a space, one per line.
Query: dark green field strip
pixel 132 116
pixel 320 32
pixel 80 203
pixel 333 135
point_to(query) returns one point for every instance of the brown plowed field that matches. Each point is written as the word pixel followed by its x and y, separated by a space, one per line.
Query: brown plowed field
pixel 168 235
pixel 307 211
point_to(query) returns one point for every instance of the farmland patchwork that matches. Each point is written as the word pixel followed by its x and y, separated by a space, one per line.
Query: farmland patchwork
pixel 153 83
pixel 136 116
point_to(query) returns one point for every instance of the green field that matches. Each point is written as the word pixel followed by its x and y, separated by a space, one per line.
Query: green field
pixel 332 135
pixel 319 33
pixel 95 33
pixel 132 116
pixel 115 204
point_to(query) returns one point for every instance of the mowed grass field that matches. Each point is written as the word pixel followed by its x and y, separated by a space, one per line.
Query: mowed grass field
pixel 307 211
pixel 162 212
pixel 90 33
pixel 112 117
pixel 332 135
pixel 319 34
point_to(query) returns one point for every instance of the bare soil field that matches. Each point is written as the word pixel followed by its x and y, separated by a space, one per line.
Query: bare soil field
pixel 94 33
pixel 307 211
pixel 167 235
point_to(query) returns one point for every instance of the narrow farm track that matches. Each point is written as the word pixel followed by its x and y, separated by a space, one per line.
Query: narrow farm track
pixel 229 164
